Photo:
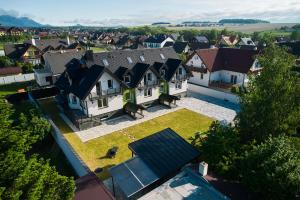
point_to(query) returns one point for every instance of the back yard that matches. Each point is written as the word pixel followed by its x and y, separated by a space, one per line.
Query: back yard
pixel 93 152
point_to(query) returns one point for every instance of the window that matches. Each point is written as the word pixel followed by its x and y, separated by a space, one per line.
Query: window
pixel 74 99
pixel 129 60
pixel 98 87
pixel 149 77
pixel 102 103
pixel 201 76
pixel 82 104
pixel 163 72
pixel 148 92
pixel 142 58
pixel 178 85
pixel 105 62
pixel 127 96
pixel 162 56
pixel 110 84
pixel 180 71
pixel 127 79
pixel 233 79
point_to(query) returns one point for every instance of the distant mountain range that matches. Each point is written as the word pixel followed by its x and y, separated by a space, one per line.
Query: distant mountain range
pixel 6 20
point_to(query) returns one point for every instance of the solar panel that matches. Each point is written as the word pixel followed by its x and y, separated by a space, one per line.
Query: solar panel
pixel 132 176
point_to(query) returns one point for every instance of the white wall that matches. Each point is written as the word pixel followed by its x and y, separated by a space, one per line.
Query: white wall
pixel 214 93
pixel 140 98
pixel 173 90
pixel 16 78
pixel 40 78
pixel 225 76
pixel 194 61
pixel 114 103
pixel 165 41
pixel 196 79
pixel 103 79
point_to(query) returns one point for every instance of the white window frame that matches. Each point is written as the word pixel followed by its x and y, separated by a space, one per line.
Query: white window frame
pixel 148 92
pixel 178 85
pixel 102 103
pixel 74 99
pixel 129 79
pixel 142 58
pixel 112 84
pixel 201 76
pixel 162 56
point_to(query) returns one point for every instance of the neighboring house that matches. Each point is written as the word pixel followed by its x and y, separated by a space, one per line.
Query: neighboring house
pixel 162 167
pixel 14 31
pixel 199 39
pixel 293 47
pixel 32 50
pixel 222 66
pixel 54 65
pixel 101 84
pixel 229 40
pixel 157 41
pixel 197 45
pixel 2 31
pixel 247 43
pixel 181 47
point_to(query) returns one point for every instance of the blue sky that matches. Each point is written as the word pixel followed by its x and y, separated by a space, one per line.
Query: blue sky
pixel 138 12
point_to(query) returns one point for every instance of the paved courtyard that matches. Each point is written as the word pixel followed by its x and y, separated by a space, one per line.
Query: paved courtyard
pixel 209 106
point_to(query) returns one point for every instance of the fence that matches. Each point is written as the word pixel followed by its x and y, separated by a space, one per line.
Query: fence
pixel 78 165
pixel 16 78
pixel 214 93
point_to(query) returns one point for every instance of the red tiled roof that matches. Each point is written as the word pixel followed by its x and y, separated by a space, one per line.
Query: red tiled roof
pixel 10 70
pixel 89 187
pixel 232 59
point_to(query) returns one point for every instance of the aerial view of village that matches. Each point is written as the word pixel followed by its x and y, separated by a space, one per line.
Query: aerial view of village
pixel 150 100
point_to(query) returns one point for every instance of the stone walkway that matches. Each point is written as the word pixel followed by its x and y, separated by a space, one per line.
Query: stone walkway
pixel 209 106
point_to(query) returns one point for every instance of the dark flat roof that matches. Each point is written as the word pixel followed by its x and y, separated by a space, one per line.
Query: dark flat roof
pixel 91 188
pixel 164 152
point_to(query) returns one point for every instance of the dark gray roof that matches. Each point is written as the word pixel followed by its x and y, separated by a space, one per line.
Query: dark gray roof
pixel 15 51
pixel 180 46
pixel 118 58
pixel 156 39
pixel 44 43
pixel 201 39
pixel 157 157
pixel 57 60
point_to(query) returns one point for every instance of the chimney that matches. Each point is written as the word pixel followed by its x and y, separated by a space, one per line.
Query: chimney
pixel 68 40
pixel 203 167
pixel 33 41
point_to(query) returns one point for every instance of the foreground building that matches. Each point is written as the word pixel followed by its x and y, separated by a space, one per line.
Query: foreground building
pixel 222 67
pixel 156 159
pixel 100 85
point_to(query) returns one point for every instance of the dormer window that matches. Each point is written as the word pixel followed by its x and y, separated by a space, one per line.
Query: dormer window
pixel 105 62
pixel 142 58
pixel 127 79
pixel 129 60
pixel 163 72
pixel 162 56
pixel 180 71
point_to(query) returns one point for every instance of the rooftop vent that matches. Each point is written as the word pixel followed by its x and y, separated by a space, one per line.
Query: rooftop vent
pixel 203 167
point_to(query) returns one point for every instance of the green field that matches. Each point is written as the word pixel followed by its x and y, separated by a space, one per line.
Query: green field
pixel 98 49
pixel 247 28
pixel 93 153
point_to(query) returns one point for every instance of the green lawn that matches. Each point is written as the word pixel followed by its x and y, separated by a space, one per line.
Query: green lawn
pixel 13 88
pixel 93 152
pixel 98 49
pixel 1 46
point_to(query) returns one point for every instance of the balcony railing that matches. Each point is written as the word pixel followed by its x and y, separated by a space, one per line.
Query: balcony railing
pixel 148 84
pixel 104 93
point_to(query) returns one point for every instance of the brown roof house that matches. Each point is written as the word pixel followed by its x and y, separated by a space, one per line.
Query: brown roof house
pixel 222 67
pixel 228 41
pixel 32 50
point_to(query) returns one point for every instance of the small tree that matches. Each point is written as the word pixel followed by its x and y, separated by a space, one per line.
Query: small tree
pixel 5 62
pixel 272 169
pixel 221 149
pixel 295 35
pixel 271 106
